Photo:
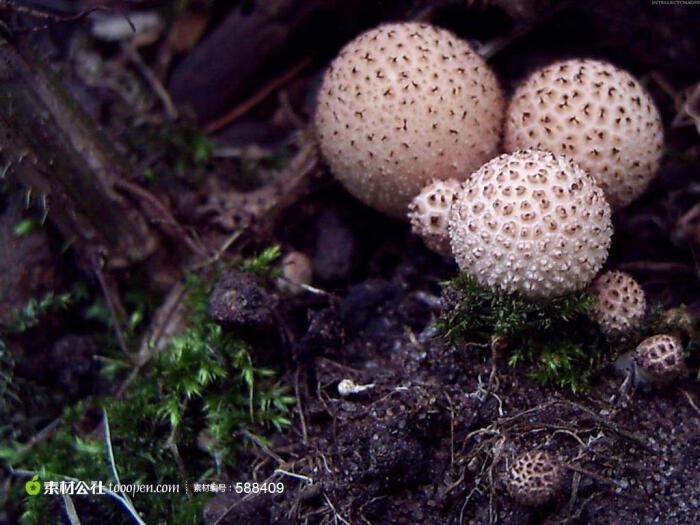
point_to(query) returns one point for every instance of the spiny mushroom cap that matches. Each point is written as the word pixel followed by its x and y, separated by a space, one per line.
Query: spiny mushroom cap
pixel 598 115
pixel 620 304
pixel 534 478
pixel 403 104
pixel 661 357
pixel 429 212
pixel 531 222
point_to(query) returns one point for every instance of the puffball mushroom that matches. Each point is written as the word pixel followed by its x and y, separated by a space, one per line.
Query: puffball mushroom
pixel 680 322
pixel 296 272
pixel 403 104
pixel 530 222
pixel 620 304
pixel 429 213
pixel 595 113
pixel 659 358
pixel 534 478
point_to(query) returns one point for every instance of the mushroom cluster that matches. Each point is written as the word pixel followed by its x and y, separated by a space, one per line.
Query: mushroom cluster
pixel 531 222
pixel 403 104
pixel 595 113
pixel 409 119
pixel 534 478
pixel 620 304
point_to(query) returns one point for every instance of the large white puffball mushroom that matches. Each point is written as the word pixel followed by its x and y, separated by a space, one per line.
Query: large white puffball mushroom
pixel 595 113
pixel 531 222
pixel 403 104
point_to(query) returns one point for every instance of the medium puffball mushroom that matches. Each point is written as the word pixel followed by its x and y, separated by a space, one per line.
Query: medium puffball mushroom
pixel 620 304
pixel 429 212
pixel 531 222
pixel 659 359
pixel 534 478
pixel 403 104
pixel 595 113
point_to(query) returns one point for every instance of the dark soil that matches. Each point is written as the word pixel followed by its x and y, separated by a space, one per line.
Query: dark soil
pixel 429 442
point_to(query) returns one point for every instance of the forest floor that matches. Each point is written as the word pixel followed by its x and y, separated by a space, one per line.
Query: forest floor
pixel 430 437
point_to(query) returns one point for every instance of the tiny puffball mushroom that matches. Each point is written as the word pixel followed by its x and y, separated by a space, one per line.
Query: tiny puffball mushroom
pixel 620 304
pixel 347 387
pixel 296 272
pixel 595 113
pixel 659 359
pixel 680 322
pixel 403 104
pixel 530 222
pixel 429 213
pixel 534 478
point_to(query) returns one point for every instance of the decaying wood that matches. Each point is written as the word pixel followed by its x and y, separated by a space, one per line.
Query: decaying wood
pixel 51 145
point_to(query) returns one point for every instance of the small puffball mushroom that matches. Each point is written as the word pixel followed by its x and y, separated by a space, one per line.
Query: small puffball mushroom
pixel 429 212
pixel 403 104
pixel 530 222
pixel 680 322
pixel 534 478
pixel 620 304
pixel 347 387
pixel 296 272
pixel 595 113
pixel 659 359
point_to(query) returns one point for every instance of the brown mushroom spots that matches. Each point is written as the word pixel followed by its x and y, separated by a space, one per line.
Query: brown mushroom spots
pixel 429 212
pixel 659 359
pixel 534 478
pixel 403 104
pixel 620 305
pixel 530 222
pixel 595 113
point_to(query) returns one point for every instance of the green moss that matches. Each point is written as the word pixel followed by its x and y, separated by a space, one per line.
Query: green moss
pixel 555 338
pixel 178 147
pixel 31 313
pixel 263 263
pixel 181 420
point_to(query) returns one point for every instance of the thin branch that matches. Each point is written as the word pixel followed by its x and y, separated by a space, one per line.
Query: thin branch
pixel 248 104
pixel 42 435
pixel 612 426
pixel 50 17
pixel 96 266
pixel 70 510
pixel 153 81
pixel 110 493
pixel 294 475
pixel 171 443
pixel 255 439
pixel 160 209
pixel 161 327
pixel 108 444
pixel 335 512
pixel 689 397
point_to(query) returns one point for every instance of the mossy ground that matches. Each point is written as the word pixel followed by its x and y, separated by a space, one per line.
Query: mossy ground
pixel 179 420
